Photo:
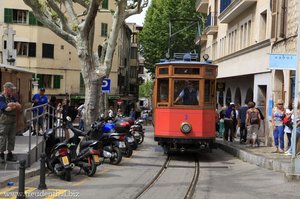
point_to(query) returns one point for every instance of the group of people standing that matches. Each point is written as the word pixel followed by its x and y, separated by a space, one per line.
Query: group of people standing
pixel 247 118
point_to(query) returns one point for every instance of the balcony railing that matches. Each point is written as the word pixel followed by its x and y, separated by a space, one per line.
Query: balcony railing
pixel 201 6
pixel 211 24
pixel 224 5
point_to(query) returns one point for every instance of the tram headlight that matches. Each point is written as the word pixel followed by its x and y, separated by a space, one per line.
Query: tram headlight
pixel 185 127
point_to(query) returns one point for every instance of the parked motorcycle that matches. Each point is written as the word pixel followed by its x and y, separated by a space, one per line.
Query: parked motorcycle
pixel 88 157
pixel 57 156
pixel 105 133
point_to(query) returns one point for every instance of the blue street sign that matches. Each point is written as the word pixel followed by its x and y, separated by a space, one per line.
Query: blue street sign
pixel 106 86
pixel 283 61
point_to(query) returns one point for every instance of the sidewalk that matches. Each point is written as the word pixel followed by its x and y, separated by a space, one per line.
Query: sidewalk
pixel 261 156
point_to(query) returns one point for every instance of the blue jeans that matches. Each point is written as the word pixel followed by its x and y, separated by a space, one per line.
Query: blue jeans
pixel 278 134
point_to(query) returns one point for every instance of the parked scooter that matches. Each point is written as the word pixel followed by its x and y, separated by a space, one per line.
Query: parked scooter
pixel 137 131
pixel 105 133
pixel 57 156
pixel 88 157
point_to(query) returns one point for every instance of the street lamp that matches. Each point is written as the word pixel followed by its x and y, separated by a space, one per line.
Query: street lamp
pixel 11 60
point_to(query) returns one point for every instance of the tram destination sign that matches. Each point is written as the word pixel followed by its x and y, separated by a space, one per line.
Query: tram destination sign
pixel 283 61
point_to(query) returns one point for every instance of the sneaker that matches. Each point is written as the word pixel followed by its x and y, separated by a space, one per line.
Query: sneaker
pixel 276 151
pixel 281 151
pixel 288 153
pixel 10 157
pixel 2 157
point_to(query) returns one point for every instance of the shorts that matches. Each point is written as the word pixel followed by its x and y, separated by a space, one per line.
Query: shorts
pixel 40 120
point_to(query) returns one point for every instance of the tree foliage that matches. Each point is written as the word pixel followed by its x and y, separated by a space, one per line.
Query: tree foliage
pixel 145 90
pixel 154 37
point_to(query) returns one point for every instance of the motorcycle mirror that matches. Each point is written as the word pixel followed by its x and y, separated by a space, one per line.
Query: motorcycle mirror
pixel 69 118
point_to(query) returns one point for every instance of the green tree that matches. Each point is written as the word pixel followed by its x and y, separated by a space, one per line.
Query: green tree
pixel 145 90
pixel 154 38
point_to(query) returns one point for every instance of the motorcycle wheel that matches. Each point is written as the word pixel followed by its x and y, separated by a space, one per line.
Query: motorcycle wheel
pixel 128 152
pixel 117 156
pixel 91 170
pixel 140 141
pixel 134 147
pixel 49 166
pixel 67 175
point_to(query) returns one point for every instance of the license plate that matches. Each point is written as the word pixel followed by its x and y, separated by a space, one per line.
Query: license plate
pixel 96 158
pixel 65 160
pixel 122 145
pixel 130 139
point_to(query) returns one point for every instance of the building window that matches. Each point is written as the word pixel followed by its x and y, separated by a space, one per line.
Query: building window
pixel 104 28
pixel 25 49
pixel 20 16
pixel 49 81
pixel 105 4
pixel 263 26
pixel 133 53
pixel 48 51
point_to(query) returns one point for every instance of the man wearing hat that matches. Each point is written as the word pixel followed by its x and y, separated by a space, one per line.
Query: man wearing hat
pixel 8 126
pixel 37 100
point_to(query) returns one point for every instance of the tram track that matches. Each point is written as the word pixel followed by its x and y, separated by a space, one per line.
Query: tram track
pixel 191 188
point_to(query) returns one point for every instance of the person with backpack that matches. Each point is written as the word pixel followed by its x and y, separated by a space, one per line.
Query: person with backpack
pixel 253 123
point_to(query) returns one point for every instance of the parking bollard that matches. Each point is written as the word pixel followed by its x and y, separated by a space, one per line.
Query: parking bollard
pixel 42 184
pixel 21 192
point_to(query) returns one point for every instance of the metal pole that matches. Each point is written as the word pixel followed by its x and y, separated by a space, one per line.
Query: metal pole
pixel 42 184
pixel 21 193
pixel 296 160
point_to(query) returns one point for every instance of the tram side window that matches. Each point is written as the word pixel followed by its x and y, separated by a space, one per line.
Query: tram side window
pixel 186 92
pixel 208 91
pixel 163 90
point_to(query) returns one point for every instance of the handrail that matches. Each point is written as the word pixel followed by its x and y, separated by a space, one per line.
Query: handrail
pixel 48 114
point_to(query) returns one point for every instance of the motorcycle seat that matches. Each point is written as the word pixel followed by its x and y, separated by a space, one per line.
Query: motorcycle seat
pixel 88 143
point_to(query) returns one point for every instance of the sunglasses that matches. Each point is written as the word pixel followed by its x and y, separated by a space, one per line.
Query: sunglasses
pixel 280 104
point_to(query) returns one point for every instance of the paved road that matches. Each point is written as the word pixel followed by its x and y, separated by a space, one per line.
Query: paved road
pixel 221 176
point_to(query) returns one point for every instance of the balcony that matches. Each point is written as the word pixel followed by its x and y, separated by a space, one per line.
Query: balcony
pixel 202 39
pixel 230 9
pixel 211 24
pixel 201 6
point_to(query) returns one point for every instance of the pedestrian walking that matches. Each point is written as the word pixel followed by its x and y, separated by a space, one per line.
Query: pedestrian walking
pixel 242 123
pixel 253 123
pixel 221 125
pixel 37 100
pixel 278 127
pixel 230 116
pixel 8 127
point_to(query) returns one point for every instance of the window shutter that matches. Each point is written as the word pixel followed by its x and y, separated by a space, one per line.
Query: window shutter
pixel 56 82
pixel 40 81
pixel 105 4
pixel 274 18
pixel 32 50
pixel 8 15
pixel 32 19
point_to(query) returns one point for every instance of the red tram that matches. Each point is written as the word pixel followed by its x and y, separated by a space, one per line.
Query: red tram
pixel 184 105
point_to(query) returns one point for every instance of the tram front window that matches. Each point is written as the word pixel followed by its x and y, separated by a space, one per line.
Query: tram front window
pixel 186 92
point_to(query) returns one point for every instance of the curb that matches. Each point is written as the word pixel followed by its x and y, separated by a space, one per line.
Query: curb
pixel 15 177
pixel 260 160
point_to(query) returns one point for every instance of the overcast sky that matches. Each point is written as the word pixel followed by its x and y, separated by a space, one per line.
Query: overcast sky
pixel 138 19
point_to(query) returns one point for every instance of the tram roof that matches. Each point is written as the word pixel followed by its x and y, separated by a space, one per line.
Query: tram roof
pixel 180 62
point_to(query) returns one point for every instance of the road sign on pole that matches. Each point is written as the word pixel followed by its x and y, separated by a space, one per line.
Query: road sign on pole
pixel 106 86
